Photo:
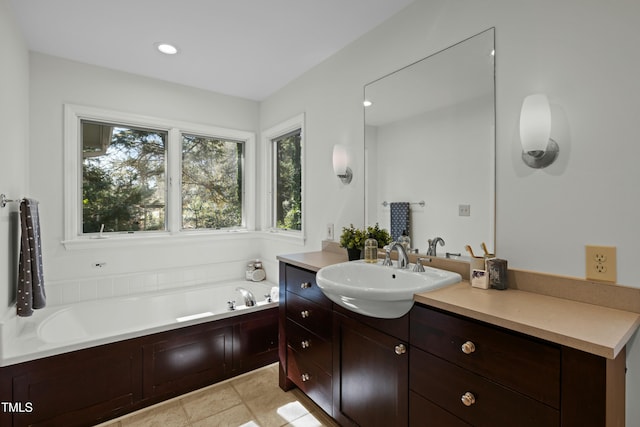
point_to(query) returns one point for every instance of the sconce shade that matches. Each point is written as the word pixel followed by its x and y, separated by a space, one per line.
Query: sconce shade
pixel 535 124
pixel 341 163
pixel 538 149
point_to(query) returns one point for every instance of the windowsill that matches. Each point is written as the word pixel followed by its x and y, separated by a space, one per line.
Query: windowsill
pixel 183 237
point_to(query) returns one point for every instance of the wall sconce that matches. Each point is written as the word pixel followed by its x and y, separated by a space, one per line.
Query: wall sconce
pixel 538 149
pixel 341 163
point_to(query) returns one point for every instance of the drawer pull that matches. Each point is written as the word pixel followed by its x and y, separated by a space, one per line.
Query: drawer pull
pixel 468 399
pixel 305 344
pixel 468 347
pixel 304 314
pixel 400 349
pixel 305 377
pixel 305 285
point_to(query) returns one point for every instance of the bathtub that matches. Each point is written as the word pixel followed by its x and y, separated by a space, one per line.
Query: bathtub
pixel 61 329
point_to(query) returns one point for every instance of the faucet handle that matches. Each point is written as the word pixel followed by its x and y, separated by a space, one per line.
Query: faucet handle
pixel 418 267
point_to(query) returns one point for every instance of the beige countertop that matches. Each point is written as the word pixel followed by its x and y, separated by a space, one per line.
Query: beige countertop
pixel 599 330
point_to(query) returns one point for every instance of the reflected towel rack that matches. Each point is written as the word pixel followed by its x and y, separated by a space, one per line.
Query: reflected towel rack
pixel 421 203
pixel 4 200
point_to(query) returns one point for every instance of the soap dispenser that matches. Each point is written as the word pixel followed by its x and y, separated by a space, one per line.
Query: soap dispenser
pixel 405 240
pixel 371 250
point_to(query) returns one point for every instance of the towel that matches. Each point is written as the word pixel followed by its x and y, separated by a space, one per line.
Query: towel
pixel 31 293
pixel 399 219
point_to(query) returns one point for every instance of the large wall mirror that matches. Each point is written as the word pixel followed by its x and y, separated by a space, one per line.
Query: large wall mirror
pixel 430 141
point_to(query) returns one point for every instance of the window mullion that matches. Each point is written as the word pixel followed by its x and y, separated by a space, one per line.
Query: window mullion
pixel 174 181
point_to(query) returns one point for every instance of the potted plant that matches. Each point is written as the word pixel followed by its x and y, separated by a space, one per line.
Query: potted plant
pixel 380 234
pixel 352 239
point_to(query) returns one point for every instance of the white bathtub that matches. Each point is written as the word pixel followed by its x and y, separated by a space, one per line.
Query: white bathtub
pixel 60 329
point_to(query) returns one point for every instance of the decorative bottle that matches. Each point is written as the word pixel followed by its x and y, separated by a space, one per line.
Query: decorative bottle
pixel 371 250
pixel 405 240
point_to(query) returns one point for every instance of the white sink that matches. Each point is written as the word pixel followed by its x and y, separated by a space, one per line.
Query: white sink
pixel 379 291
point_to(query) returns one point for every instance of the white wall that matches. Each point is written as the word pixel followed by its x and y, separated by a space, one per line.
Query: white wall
pixel 583 55
pixel 54 82
pixel 14 122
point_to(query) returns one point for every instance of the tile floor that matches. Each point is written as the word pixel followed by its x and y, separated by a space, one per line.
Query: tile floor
pixel 249 400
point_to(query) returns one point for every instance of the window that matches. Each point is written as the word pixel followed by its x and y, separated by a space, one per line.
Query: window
pixel 123 178
pixel 136 175
pixel 212 184
pixel 285 143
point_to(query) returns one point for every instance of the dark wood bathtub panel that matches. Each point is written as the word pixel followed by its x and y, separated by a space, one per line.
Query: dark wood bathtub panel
pixel 90 386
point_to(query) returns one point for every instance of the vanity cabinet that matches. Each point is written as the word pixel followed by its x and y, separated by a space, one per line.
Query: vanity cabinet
pixel 468 373
pixel 306 336
pixel 371 370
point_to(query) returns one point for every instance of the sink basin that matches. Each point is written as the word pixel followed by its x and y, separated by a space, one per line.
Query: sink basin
pixel 379 291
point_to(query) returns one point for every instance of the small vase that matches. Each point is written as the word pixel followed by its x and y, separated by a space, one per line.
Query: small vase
pixel 354 254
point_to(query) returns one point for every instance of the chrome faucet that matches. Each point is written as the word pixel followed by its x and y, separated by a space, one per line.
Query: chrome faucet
pixel 433 243
pixel 249 299
pixel 403 258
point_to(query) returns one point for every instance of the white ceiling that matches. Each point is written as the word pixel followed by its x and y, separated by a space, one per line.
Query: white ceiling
pixel 245 48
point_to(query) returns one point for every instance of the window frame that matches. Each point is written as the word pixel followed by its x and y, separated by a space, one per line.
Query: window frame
pixel 268 136
pixel 74 114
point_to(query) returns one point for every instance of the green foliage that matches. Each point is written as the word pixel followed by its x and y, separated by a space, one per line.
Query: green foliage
pixel 380 234
pixel 120 188
pixel 288 203
pixel 353 238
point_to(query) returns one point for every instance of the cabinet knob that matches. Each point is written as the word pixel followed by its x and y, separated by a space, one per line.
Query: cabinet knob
pixel 468 347
pixel 468 399
pixel 305 285
pixel 401 349
pixel 305 344
pixel 305 377
pixel 304 314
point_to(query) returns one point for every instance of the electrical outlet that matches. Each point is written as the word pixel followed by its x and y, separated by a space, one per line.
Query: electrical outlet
pixel 600 263
pixel 329 231
pixel 464 210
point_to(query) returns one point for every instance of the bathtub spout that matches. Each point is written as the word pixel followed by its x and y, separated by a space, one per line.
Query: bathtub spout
pixel 249 299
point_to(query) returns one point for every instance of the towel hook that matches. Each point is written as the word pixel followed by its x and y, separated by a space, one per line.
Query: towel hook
pixel 4 200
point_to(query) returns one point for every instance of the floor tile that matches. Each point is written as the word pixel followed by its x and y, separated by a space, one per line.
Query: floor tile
pixel 210 401
pixel 169 414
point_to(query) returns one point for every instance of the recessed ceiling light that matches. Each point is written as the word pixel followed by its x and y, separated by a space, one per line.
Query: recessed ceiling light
pixel 167 48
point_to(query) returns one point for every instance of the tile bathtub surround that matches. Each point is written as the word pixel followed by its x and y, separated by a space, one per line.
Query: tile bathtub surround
pixel 249 400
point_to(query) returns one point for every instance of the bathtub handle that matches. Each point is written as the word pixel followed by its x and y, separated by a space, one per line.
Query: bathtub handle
pixel 304 314
pixel 305 285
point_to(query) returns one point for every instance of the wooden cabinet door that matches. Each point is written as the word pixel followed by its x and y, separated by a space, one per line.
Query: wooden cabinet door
pixel 370 377
pixel 181 361
pixel 79 388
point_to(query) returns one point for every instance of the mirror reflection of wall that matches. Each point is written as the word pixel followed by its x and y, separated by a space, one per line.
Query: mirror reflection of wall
pixel 430 136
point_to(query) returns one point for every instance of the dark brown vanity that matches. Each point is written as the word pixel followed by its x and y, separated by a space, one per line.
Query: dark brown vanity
pixel 434 367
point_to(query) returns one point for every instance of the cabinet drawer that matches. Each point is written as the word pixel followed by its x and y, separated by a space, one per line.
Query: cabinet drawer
pixel 524 364
pixel 309 345
pixel 423 413
pixel 303 283
pixel 310 315
pixel 445 384
pixel 311 379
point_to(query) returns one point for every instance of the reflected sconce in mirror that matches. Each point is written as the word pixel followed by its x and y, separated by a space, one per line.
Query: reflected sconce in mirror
pixel 341 163
pixel 538 149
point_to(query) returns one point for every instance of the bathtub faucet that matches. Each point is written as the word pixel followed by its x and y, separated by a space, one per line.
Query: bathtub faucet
pixel 249 299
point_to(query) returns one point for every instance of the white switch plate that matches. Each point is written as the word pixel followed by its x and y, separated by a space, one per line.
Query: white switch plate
pixel 329 231
pixel 464 210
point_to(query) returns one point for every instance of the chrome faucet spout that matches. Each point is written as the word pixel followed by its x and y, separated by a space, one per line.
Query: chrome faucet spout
pixel 403 258
pixel 249 299
pixel 433 244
